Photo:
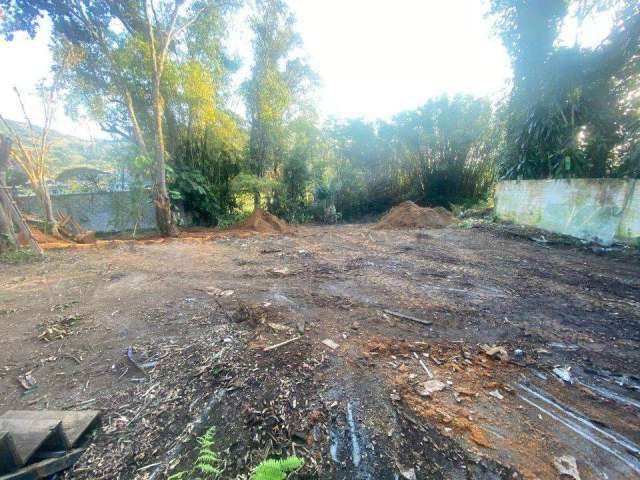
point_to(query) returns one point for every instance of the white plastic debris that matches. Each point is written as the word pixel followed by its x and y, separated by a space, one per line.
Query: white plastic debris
pixel 563 373
pixel 496 394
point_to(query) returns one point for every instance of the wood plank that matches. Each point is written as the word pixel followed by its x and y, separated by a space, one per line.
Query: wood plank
pixel 75 423
pixel 9 459
pixel 45 468
pixel 30 435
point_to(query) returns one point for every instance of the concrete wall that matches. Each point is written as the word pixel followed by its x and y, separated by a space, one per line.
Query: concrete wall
pixel 102 212
pixel 601 210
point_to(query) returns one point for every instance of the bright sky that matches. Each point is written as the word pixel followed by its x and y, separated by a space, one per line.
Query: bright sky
pixel 375 57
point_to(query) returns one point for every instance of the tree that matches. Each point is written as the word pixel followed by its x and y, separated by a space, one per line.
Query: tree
pixel 123 78
pixel 277 87
pixel 32 153
pixel 10 216
pixel 571 111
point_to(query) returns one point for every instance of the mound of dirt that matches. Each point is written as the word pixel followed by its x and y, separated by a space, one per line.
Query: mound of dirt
pixel 410 215
pixel 262 221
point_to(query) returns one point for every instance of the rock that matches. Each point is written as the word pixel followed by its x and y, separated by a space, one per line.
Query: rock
pixel 408 474
pixel 430 387
pixel 497 353
pixel 300 325
pixel 567 467
pixel 330 343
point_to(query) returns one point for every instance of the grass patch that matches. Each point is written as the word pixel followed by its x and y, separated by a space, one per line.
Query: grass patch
pixel 20 256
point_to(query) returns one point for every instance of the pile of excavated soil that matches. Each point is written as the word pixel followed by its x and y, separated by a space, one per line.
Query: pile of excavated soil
pixel 262 221
pixel 410 215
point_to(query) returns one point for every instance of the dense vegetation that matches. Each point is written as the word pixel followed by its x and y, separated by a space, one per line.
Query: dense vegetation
pixel 156 73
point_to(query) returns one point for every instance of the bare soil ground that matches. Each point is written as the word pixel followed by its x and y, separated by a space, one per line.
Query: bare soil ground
pixel 198 311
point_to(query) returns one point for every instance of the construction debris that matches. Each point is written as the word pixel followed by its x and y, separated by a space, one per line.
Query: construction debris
pixel 27 381
pixel 27 437
pixel 563 373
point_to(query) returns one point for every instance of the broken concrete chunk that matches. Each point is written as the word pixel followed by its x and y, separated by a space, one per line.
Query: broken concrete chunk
pixel 497 353
pixel 567 467
pixel 430 387
pixel 330 343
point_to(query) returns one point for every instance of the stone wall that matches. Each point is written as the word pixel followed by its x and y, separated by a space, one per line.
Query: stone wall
pixel 101 212
pixel 600 210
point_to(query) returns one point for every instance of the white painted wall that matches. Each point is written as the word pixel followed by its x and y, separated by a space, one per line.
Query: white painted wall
pixel 600 210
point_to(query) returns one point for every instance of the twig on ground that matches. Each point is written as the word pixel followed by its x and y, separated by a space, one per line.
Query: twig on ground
pixel 408 317
pixel 281 344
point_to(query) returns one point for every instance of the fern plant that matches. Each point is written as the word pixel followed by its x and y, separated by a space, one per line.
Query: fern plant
pixel 206 464
pixel 272 469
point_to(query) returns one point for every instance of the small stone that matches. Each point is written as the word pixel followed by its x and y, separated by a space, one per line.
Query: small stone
pixel 430 387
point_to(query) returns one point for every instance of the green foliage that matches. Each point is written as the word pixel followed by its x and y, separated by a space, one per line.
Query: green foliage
pixel 19 256
pixel 247 183
pixel 201 171
pixel 439 154
pixel 572 111
pixel 272 469
pixel 230 219
pixel 206 464
pixel 277 92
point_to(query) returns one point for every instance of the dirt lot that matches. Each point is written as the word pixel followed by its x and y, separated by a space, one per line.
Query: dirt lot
pixel 199 312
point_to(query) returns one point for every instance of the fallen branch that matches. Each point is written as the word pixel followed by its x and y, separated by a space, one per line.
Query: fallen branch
pixel 408 317
pixel 281 344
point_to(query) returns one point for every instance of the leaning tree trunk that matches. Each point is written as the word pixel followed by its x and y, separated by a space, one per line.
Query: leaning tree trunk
pixel 8 239
pixel 9 213
pixel 164 217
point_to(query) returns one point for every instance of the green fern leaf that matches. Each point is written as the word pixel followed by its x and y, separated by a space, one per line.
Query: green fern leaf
pixel 276 469
pixel 207 469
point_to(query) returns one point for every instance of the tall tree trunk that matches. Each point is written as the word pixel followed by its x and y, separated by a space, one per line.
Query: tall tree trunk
pixel 42 192
pixel 164 218
pixel 137 131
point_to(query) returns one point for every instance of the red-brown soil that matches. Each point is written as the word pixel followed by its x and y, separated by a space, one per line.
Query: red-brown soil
pixel 410 215
pixel 204 307
pixel 261 221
